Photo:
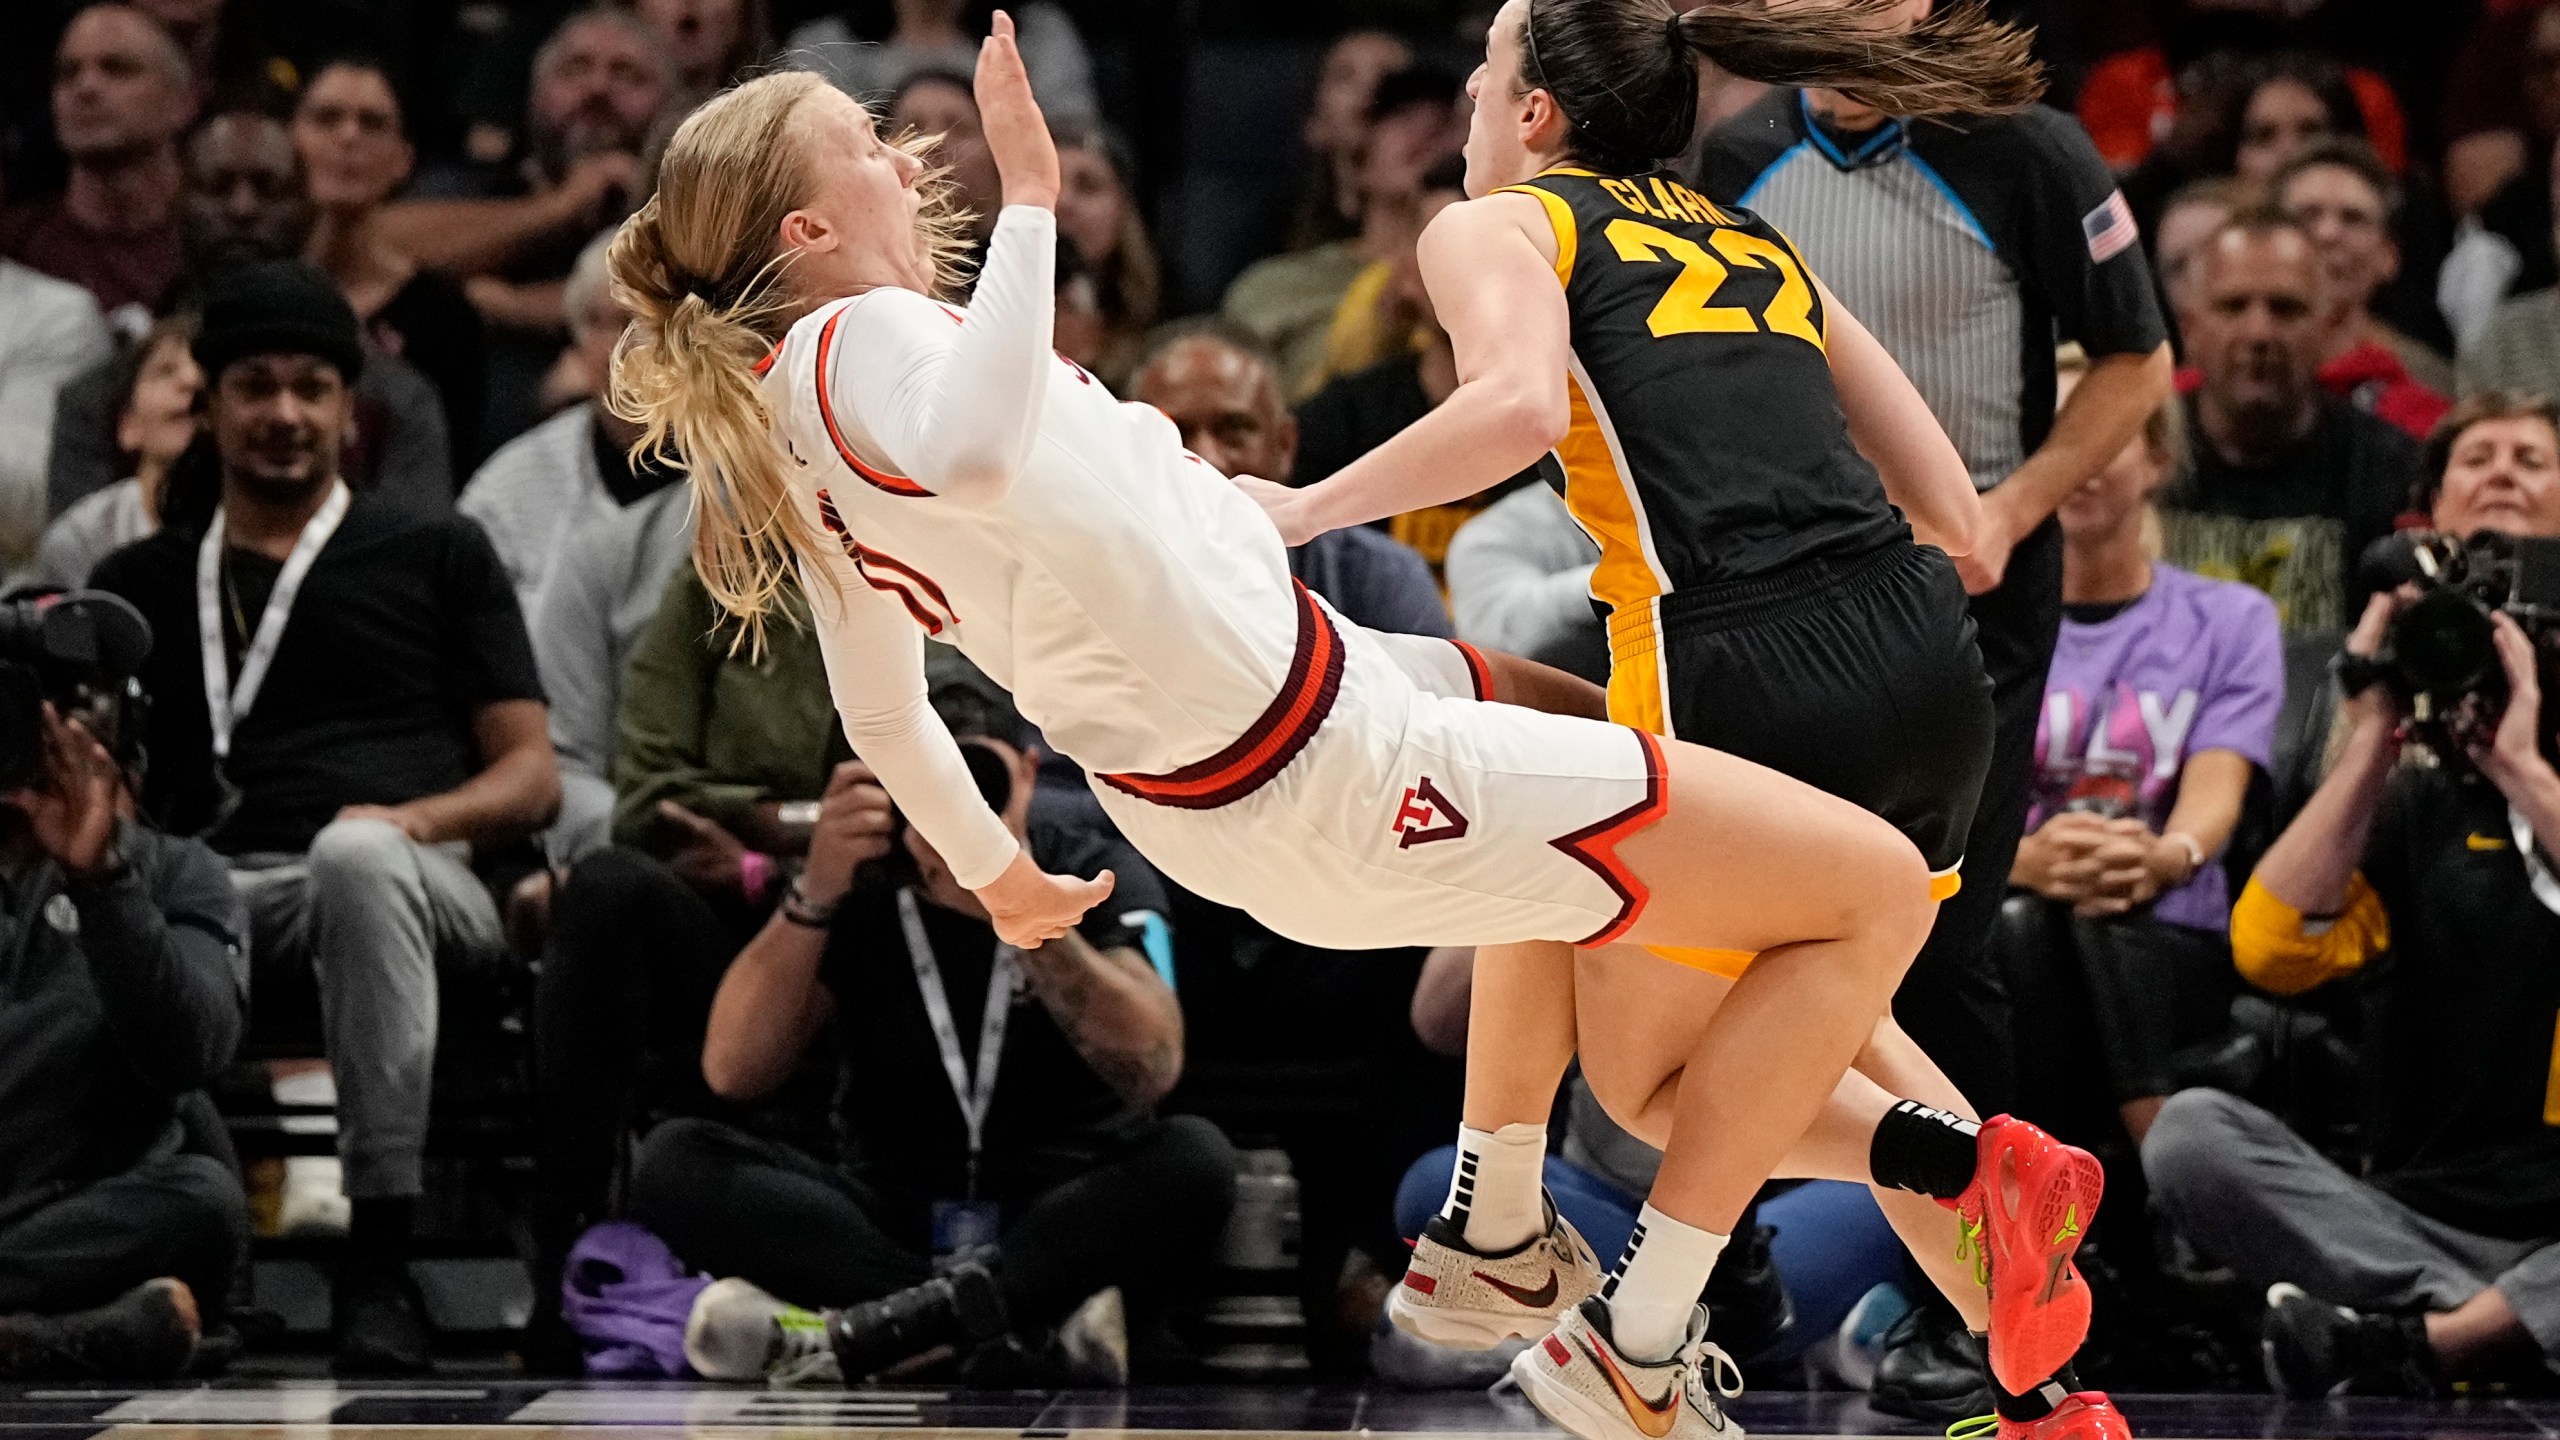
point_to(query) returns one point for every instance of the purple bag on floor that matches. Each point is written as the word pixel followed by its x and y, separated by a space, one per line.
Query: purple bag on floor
pixel 627 1296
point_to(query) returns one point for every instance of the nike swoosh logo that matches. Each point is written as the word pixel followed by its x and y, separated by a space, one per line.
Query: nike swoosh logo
pixel 1538 1299
pixel 1651 1419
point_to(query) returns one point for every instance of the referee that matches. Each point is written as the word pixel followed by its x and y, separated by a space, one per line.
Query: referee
pixel 1971 248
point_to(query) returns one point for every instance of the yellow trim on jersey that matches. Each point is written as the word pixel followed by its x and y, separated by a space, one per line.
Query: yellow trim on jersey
pixel 1635 673
pixel 1560 219
pixel 1944 885
pixel 1596 494
pixel 1728 963
pixel 1731 963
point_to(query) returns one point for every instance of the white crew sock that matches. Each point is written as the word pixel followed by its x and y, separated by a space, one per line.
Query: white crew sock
pixel 1498 1187
pixel 1657 1284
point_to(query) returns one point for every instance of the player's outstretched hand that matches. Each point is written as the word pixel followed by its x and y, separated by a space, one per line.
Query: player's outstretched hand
pixel 1029 907
pixel 1017 133
pixel 1286 506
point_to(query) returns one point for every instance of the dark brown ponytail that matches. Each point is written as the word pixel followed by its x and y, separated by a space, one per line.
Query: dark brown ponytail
pixel 1630 94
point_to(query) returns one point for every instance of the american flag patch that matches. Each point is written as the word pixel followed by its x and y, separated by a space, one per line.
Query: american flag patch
pixel 2110 229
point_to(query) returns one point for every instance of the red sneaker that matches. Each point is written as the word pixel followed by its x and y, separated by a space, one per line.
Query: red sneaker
pixel 2087 1415
pixel 2032 1197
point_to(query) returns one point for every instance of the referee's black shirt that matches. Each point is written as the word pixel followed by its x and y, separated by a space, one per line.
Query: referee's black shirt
pixel 1969 247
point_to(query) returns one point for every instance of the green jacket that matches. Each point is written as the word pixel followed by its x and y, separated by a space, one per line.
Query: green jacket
pixel 702 725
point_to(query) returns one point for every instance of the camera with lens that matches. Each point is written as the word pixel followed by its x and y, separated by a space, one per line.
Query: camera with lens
pixel 83 651
pixel 2440 657
pixel 994 774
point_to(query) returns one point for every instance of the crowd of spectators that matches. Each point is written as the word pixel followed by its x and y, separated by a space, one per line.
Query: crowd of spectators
pixel 305 334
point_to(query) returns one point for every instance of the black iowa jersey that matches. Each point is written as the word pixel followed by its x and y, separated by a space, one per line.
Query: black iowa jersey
pixel 1707 442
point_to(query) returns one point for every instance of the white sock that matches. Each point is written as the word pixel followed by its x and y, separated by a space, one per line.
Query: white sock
pixel 1497 1187
pixel 1657 1284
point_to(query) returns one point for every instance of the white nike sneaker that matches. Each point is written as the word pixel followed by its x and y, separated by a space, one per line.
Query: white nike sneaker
pixel 737 1331
pixel 1577 1378
pixel 1452 1295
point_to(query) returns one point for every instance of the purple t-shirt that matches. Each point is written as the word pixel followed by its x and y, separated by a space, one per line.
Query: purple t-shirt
pixel 2193 665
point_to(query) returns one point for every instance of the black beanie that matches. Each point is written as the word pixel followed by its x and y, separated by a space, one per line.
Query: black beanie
pixel 277 307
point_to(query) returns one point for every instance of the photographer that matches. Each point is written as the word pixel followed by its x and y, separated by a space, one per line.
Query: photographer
pixel 996 1107
pixel 123 987
pixel 2444 1262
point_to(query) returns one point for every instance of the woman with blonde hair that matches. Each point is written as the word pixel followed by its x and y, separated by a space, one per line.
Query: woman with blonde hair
pixel 925 470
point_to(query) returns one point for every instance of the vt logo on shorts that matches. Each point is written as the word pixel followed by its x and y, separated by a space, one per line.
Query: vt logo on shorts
pixel 1427 815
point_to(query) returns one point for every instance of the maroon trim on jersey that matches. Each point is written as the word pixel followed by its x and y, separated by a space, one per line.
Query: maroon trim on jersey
pixel 1274 739
pixel 898 485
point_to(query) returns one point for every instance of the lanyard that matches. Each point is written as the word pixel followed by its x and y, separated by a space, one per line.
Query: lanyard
pixel 2545 888
pixel 225 702
pixel 976 1096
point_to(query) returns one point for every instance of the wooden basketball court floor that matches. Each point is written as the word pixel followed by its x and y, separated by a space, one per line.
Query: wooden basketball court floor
pixel 521 1410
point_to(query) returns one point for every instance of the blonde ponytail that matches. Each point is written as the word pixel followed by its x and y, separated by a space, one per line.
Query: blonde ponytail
pixel 702 273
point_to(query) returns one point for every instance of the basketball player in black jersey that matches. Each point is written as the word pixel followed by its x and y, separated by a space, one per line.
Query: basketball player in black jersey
pixel 1774 505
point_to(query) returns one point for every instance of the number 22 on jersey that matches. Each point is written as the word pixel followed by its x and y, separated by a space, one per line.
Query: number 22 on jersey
pixel 1689 308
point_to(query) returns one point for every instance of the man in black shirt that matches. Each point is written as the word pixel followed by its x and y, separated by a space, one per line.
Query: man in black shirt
pixel 2434 881
pixel 996 1112
pixel 362 718
pixel 2289 484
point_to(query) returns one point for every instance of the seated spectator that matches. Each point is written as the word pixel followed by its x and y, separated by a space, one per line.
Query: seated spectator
pixel 711 42
pixel 244 196
pixel 2188 222
pixel 1328 207
pixel 1220 386
pixel 2342 197
pixel 363 721
pixel 1291 300
pixel 2500 181
pixel 244 202
pixel 349 132
pixel 1520 582
pixel 1098 215
pixel 1022 1153
pixel 2134 107
pixel 867 59
pixel 2518 348
pixel 2433 1260
pixel 49 333
pixel 2289 483
pixel 116 1243
pixel 718 761
pixel 2161 702
pixel 600 83
pixel 251 53
pixel 1357 412
pixel 586 621
pixel 2501 107
pixel 121 98
pixel 574 469
pixel 1411 138
pixel 942 105
pixel 156 388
